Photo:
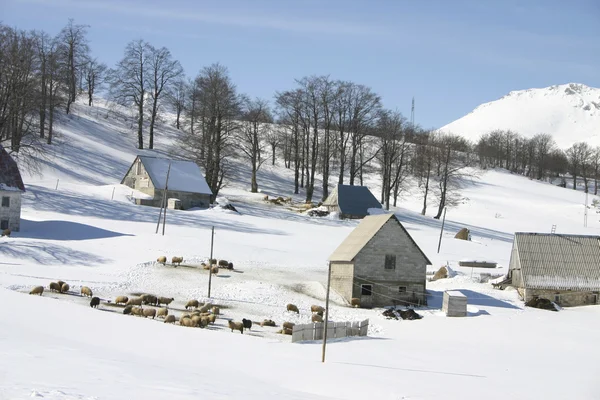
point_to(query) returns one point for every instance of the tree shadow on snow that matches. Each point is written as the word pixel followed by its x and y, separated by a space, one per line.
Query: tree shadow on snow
pixel 47 253
pixel 435 299
pixel 63 230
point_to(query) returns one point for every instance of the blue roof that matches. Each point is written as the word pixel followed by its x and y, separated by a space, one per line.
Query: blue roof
pixel 355 200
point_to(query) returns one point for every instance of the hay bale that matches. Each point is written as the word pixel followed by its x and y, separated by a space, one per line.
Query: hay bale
pixel 441 273
pixel 463 234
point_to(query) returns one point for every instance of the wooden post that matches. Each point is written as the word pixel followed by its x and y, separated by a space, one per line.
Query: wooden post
pixel 442 231
pixel 162 203
pixel 326 313
pixel 113 194
pixel 212 237
pixel 166 199
pixel 56 188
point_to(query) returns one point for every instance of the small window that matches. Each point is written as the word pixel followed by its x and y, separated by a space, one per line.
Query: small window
pixel 138 168
pixel 390 261
pixel 4 224
pixel 366 290
pixel 556 298
pixel 402 289
pixel 5 201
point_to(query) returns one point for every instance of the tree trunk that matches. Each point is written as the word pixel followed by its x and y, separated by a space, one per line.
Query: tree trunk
pixel 141 123
pixel 178 115
pixel 424 210
pixel 50 122
pixel 273 147
pixel 152 122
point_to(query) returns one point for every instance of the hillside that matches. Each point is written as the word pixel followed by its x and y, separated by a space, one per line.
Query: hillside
pixel 56 347
pixel 570 113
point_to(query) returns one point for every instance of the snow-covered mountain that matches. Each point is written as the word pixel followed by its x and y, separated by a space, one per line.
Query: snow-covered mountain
pixel 570 113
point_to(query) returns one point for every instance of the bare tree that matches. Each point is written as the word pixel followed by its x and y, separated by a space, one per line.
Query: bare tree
pixel 177 97
pixel 290 108
pixel 257 118
pixel 579 155
pixel 163 71
pixel 275 136
pixel 389 130
pixel 74 46
pixel 128 81
pixel 94 74
pixel 544 144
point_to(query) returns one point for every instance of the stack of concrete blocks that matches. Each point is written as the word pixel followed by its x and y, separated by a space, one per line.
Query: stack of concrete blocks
pixel 455 304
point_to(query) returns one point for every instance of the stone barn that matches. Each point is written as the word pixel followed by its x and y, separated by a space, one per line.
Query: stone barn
pixel 380 264
pixel 564 269
pixel 351 201
pixel 11 188
pixel 186 182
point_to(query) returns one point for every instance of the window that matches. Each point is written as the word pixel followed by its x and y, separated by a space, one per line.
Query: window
pixel 556 298
pixel 366 290
pixel 5 201
pixel 4 224
pixel 390 261
pixel 138 168
pixel 402 289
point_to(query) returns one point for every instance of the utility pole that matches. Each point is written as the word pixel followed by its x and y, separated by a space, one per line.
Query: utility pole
pixel 212 237
pixel 326 313
pixel 166 199
pixel 163 203
pixel 442 231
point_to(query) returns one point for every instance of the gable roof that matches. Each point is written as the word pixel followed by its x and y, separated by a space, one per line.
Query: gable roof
pixel 185 176
pixel 560 262
pixel 352 200
pixel 10 177
pixel 363 233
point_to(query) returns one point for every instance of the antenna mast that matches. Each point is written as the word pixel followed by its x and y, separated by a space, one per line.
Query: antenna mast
pixel 412 114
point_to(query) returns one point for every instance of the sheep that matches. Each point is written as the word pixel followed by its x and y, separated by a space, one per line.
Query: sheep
pixel 137 311
pixel 316 309
pixel 212 261
pixel 205 307
pixel 267 322
pixel 60 283
pixel 134 302
pixel 187 322
pixel 192 304
pixel 86 291
pixel 266 198
pixel 55 287
pixel 149 312
pixel 127 310
pixel 196 319
pixel 223 263
pixel 205 266
pixel 215 310
pixel 37 290
pixel 230 265
pixel 293 308
pixel 319 313
pixel 185 316
pixel 316 318
pixel 355 302
pixel 288 325
pixel 212 318
pixel 162 260
pixel 247 324
pixel 214 270
pixel 164 300
pixel 149 299
pixel 286 331
pixel 6 232
pixel 121 300
pixel 238 326
pixel 64 288
pixel 170 319
pixel 204 321
pixel 95 302
pixel 177 260
pixel 162 312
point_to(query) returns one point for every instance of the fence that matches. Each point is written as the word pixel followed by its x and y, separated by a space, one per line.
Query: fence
pixel 335 330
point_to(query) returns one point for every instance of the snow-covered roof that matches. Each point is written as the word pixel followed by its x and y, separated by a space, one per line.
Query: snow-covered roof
pixel 185 176
pixel 362 234
pixel 10 177
pixel 559 262
pixel 352 200
pixel 455 293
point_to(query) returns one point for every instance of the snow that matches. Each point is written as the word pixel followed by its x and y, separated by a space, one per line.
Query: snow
pixel 57 347
pixel 185 176
pixel 9 188
pixel 455 293
pixel 570 113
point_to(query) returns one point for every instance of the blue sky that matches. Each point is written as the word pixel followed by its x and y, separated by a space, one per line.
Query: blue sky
pixel 450 55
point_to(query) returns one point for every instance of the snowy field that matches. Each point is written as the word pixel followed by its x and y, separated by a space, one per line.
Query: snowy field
pixel 88 232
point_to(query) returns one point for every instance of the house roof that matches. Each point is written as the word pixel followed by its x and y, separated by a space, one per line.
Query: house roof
pixel 185 176
pixel 362 234
pixel 352 200
pixel 560 262
pixel 10 177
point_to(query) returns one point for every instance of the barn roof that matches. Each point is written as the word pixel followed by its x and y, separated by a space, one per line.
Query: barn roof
pixel 352 200
pixel 10 177
pixel 560 262
pixel 185 176
pixel 362 234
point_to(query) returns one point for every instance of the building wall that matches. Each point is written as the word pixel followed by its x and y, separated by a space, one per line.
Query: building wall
pixel 410 270
pixel 13 212
pixel 514 267
pixel 140 181
pixel 342 279
pixel 563 298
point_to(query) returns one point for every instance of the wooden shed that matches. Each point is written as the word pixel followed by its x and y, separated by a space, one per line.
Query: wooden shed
pixel 381 264
pixel 454 304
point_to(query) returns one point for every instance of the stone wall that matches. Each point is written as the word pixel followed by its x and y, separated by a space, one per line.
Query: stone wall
pixel 564 298
pixel 342 278
pixel 12 213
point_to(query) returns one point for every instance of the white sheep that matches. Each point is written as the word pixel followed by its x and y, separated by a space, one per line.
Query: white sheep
pixel 37 290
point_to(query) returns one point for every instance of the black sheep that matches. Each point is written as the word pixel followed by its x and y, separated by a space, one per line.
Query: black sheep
pixel 247 323
pixel 94 302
